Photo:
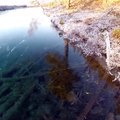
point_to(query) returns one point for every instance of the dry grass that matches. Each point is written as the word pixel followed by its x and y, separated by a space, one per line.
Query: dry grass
pixel 116 33
pixel 115 12
pixel 62 22
pixel 50 4
pixel 76 5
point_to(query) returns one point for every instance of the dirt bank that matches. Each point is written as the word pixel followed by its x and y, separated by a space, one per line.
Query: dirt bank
pixel 85 30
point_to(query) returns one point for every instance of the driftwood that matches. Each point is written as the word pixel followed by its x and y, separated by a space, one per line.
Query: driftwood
pixel 111 54
pixel 108 48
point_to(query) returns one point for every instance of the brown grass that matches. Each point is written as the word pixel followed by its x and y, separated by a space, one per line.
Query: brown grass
pixel 50 4
pixel 76 5
pixel 116 33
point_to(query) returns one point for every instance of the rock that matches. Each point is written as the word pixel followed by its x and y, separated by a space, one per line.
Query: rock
pixel 60 34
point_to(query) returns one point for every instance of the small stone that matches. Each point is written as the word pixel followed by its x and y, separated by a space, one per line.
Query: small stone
pixel 60 34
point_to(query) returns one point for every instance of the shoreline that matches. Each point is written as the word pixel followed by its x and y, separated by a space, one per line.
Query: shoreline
pixel 5 7
pixel 84 30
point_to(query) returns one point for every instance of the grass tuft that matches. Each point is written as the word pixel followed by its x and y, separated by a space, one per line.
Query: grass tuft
pixel 116 33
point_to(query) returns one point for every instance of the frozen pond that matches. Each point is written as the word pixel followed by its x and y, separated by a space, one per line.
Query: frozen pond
pixel 43 77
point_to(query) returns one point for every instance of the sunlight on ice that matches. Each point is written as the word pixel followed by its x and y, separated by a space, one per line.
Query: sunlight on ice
pixel 14 18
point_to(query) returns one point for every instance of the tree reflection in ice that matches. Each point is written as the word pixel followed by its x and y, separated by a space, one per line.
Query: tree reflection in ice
pixel 62 76
pixel 33 27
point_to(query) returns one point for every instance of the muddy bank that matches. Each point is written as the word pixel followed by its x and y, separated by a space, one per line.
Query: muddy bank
pixel 85 30
pixel 3 8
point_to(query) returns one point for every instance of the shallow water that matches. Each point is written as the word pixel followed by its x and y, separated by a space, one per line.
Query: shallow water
pixel 43 77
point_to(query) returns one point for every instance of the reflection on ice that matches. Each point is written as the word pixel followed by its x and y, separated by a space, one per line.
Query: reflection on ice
pixel 21 42
pixel 14 47
pixel 33 26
